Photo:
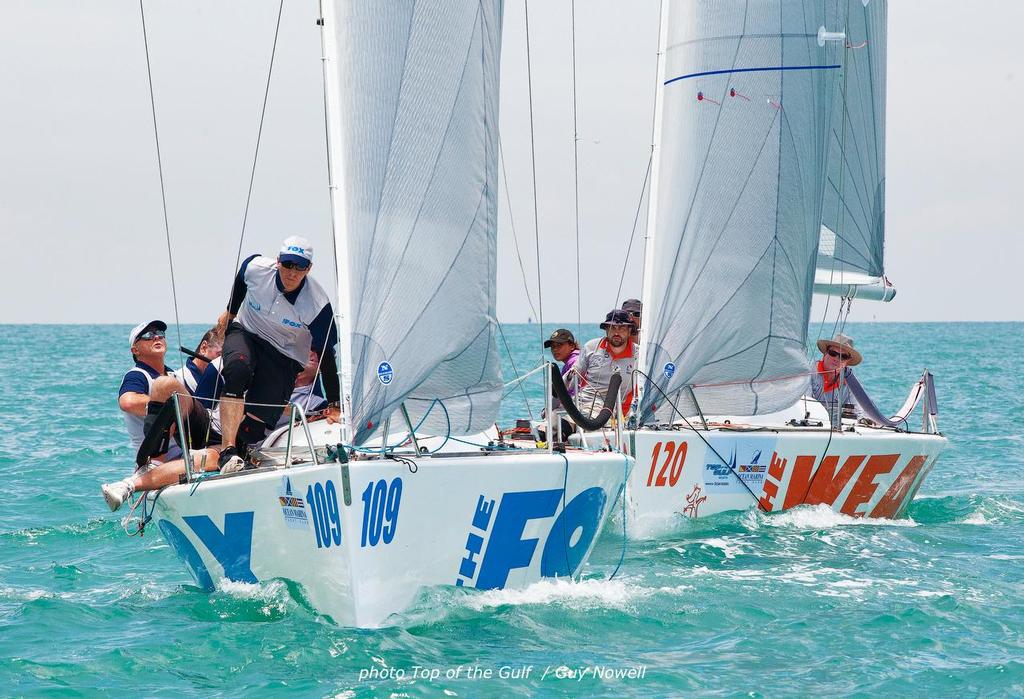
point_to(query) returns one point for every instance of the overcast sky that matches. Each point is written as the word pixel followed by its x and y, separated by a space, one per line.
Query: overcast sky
pixel 80 209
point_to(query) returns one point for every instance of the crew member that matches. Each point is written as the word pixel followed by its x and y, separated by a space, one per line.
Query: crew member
pixel 275 316
pixel 829 385
pixel 604 356
pixel 144 390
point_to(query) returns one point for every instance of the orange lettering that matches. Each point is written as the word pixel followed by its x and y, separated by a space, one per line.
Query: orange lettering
pixel 798 481
pixel 865 486
pixel 770 491
pixel 827 484
pixel 890 503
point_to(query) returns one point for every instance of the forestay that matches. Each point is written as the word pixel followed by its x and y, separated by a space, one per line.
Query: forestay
pixel 853 213
pixel 412 92
pixel 736 206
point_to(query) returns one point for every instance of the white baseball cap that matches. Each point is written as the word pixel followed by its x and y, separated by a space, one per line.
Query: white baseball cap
pixel 295 248
pixel 143 327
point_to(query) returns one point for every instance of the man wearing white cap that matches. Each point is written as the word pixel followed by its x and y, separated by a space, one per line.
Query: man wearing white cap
pixel 829 384
pixel 275 316
pixel 144 390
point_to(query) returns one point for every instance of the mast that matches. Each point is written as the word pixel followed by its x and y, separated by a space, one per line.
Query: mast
pixel 335 174
pixel 647 295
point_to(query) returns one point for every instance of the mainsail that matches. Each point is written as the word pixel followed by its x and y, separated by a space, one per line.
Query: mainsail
pixel 412 103
pixel 853 213
pixel 735 212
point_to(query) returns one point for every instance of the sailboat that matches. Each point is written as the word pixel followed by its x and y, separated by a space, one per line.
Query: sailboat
pixel 414 487
pixel 768 186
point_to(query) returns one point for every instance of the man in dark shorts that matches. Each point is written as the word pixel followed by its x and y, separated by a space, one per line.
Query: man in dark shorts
pixel 276 315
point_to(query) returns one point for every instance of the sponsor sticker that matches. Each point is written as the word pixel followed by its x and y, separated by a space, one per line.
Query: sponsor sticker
pixel 385 374
pixel 292 507
pixel 670 369
pixel 745 468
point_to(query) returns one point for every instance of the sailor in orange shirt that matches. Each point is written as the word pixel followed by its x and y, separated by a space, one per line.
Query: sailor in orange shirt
pixel 829 384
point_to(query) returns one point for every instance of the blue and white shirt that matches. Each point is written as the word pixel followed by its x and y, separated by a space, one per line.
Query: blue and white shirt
pixel 189 375
pixel 292 322
pixel 138 379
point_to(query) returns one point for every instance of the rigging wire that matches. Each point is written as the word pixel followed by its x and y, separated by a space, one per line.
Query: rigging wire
pixel 512 223
pixel 160 170
pixel 533 166
pixel 636 220
pixel 576 174
pixel 259 133
pixel 508 351
pixel 709 445
pixel 837 237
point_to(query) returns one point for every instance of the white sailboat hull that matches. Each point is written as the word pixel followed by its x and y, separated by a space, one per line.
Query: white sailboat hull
pixel 364 538
pixel 862 473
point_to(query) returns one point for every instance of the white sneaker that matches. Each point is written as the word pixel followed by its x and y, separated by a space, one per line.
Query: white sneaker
pixel 115 494
pixel 234 464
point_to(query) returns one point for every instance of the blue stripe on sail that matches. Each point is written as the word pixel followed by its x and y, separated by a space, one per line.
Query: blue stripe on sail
pixel 748 70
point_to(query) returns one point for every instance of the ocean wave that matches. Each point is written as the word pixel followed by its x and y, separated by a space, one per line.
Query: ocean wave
pixel 35 535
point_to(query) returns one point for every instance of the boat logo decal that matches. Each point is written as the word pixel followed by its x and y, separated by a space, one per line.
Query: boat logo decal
pixel 670 369
pixel 292 508
pixel 694 501
pixel 232 547
pixel 566 543
pixel 746 466
pixel 385 374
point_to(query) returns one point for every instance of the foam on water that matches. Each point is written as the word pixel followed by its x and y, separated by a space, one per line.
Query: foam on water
pixel 817 517
pixel 576 595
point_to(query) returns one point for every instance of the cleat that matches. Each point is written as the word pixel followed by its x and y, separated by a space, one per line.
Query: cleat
pixel 115 494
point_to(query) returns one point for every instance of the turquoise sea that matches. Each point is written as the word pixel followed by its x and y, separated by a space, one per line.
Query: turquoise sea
pixel 799 603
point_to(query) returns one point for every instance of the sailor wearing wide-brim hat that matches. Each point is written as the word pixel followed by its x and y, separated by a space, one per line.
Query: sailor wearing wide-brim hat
pixel 830 381
pixel 842 344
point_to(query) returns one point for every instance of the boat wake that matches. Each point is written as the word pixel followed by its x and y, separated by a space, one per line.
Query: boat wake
pixel 578 596
pixel 816 517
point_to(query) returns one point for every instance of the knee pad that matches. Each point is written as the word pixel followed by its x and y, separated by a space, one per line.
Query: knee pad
pixel 251 431
pixel 236 374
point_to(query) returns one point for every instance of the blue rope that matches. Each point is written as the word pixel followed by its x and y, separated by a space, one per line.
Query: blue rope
pixel 622 494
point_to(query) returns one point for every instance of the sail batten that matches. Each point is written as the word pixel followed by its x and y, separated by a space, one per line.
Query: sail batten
pixel 418 83
pixel 739 179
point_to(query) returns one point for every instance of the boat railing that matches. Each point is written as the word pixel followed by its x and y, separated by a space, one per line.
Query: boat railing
pixel 922 393
pixel 194 472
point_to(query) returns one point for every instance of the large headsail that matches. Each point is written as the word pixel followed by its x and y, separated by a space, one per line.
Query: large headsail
pixel 736 208
pixel 853 213
pixel 412 92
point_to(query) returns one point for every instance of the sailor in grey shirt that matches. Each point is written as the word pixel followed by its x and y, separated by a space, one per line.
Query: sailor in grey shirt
pixel 603 357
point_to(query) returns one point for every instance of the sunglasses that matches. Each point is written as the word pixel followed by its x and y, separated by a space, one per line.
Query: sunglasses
pixel 151 335
pixel 833 353
pixel 294 265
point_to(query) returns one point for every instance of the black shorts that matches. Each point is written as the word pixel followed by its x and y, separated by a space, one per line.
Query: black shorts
pixel 197 423
pixel 255 368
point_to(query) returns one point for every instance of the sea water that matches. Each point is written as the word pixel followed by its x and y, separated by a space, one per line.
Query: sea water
pixel 804 602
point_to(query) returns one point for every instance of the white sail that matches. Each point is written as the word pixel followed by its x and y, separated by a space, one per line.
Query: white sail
pixel 850 255
pixel 412 93
pixel 736 209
